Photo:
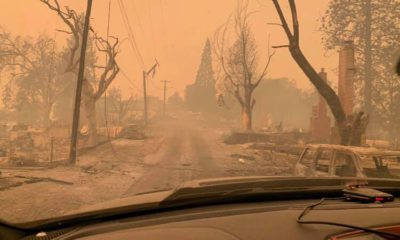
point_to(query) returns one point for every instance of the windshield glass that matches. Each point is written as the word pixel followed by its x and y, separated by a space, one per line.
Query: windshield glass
pixel 102 100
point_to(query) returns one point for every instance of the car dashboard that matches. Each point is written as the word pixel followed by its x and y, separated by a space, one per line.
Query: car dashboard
pixel 257 220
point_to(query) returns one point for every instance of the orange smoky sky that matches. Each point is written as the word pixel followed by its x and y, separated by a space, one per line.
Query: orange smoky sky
pixel 174 32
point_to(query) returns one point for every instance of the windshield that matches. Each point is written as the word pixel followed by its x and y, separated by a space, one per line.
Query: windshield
pixel 103 100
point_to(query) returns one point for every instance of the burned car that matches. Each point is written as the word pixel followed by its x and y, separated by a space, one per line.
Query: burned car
pixel 347 161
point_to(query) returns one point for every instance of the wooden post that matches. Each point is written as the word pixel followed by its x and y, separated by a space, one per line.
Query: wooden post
pixel 78 94
pixel 144 98
pixel 51 149
pixel 152 71
pixel 165 96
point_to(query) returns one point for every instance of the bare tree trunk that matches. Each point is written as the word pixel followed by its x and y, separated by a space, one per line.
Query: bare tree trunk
pixel 238 62
pixel 350 131
pixel 89 104
pixel 91 94
pixel 247 118
pixel 90 114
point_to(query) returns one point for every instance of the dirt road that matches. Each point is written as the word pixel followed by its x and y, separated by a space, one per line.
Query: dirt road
pixel 186 155
pixel 183 151
pixel 192 152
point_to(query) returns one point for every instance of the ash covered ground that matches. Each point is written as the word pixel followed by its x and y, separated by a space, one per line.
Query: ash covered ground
pixel 174 151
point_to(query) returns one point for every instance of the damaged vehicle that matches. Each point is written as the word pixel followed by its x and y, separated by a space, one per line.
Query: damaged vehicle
pixel 327 160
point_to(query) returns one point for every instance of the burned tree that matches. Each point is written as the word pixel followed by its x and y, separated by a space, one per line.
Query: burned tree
pixel 373 26
pixel 33 67
pixel 93 87
pixel 199 96
pixel 238 61
pixel 350 127
pixel 119 104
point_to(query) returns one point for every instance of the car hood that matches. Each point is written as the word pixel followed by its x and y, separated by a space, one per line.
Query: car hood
pixel 136 200
pixel 158 196
pixel 136 203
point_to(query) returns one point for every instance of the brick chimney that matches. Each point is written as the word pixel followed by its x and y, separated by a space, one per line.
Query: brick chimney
pixel 320 123
pixel 346 77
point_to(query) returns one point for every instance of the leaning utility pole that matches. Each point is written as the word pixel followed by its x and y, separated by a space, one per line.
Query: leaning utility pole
pixel 165 95
pixel 77 107
pixel 151 71
pixel 145 97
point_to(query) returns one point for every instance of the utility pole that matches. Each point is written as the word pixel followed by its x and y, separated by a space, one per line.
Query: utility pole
pixel 145 97
pixel 151 71
pixel 165 95
pixel 78 95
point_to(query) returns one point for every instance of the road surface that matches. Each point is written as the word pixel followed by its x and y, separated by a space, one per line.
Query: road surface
pixel 186 155
pixel 191 151
pixel 182 150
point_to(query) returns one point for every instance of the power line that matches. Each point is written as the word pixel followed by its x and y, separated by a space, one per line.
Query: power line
pixel 151 27
pixel 137 16
pixel 136 88
pixel 162 15
pixel 154 86
pixel 131 36
pixel 163 21
pixel 114 153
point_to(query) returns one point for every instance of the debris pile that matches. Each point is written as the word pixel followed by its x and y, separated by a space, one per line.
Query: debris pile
pixel 262 137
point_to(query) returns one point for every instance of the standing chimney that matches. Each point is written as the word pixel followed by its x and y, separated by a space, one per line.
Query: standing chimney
pixel 346 77
pixel 320 123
